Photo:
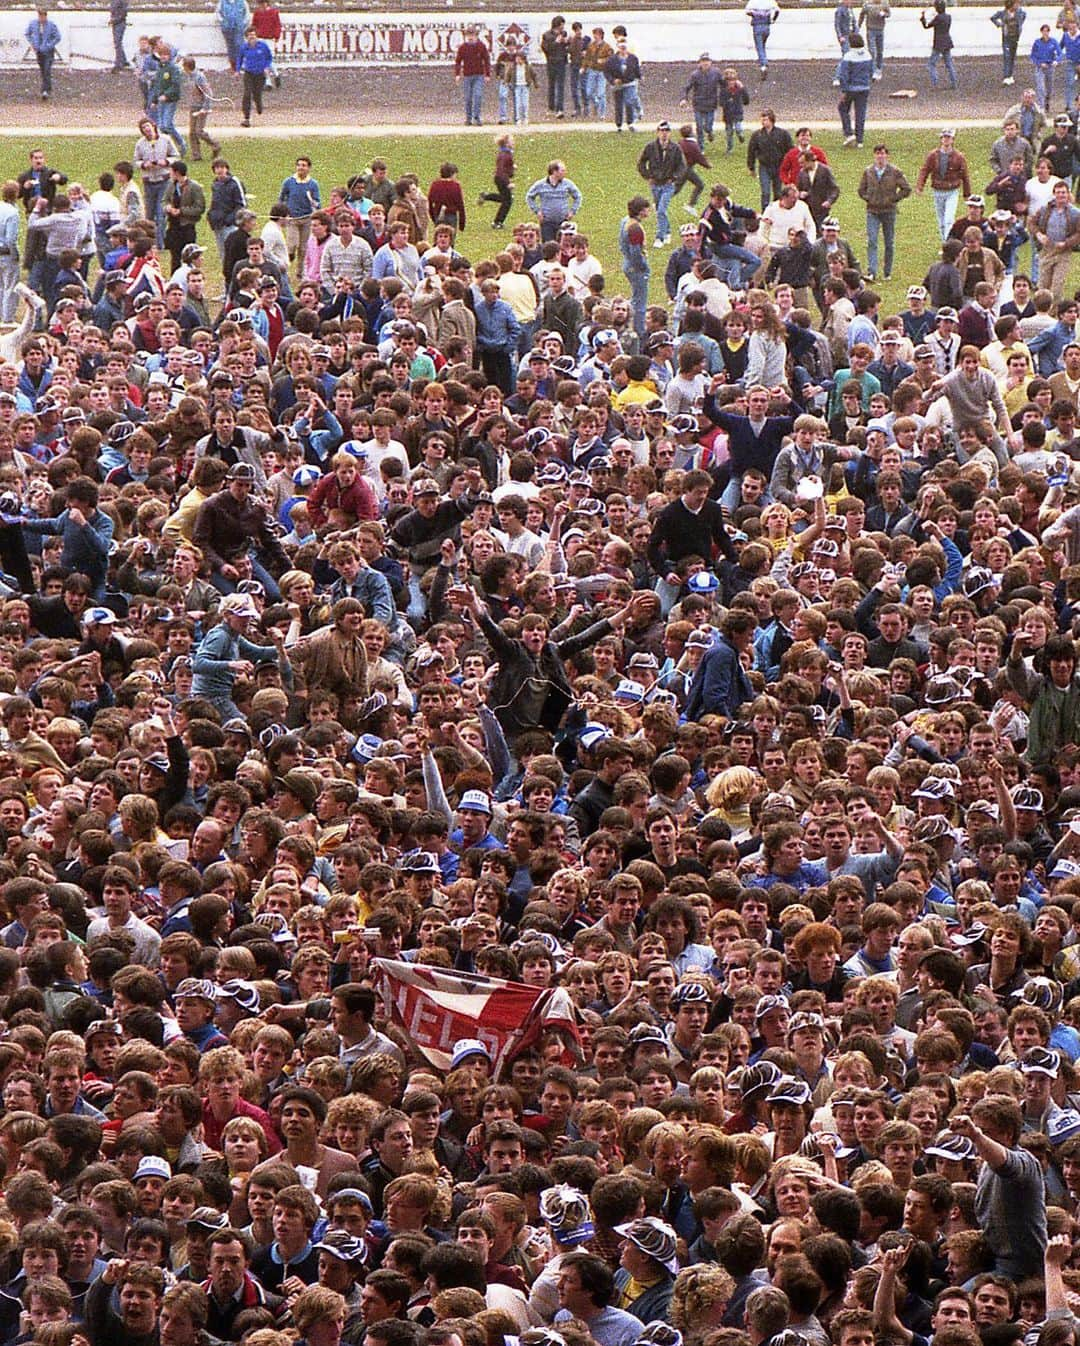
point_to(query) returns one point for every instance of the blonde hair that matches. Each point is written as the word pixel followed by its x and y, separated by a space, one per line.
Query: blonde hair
pixel 732 786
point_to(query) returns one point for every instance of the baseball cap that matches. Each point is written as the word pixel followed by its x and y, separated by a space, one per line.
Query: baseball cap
pixel 468 1047
pixel 153 1166
pixel 474 801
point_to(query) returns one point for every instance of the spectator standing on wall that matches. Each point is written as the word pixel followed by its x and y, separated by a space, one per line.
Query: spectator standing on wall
pixel 472 68
pixel 44 38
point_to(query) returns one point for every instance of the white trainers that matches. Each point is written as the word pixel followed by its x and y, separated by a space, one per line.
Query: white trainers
pixel 877 74
pixel 690 210
pixel 836 84
pixel 849 140
pixel 659 243
pixel 1008 80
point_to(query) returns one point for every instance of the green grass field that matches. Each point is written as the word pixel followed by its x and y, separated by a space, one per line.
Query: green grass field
pixel 602 164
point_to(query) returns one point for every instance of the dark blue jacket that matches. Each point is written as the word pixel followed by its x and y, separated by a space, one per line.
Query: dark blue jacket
pixel 720 684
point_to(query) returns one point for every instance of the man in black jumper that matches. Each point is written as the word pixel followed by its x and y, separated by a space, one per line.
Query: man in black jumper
pixel 689 526
pixel 754 440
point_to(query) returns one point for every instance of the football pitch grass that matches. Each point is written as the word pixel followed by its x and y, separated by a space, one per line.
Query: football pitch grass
pixel 603 164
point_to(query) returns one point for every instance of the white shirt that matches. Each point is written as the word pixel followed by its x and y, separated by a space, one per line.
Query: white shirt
pixel 147 940
pixel 776 221
pixel 579 273
pixel 377 455
pixel 1040 194
pixel 277 250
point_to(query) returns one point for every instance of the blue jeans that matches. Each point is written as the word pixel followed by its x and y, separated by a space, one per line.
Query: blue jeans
pixel 596 92
pixel 50 266
pixel 876 224
pixel 1008 56
pixel 668 595
pixel 731 130
pixel 639 298
pixel 521 103
pixel 769 182
pixel 945 204
pixel 45 61
pixel 575 86
pixel 632 103
pixel 875 45
pixel 474 97
pixel 661 200
pixel 220 235
pixel 120 60
pixel 761 29
pixel 166 124
pixel 857 100
pixel 743 263
pixel 234 40
pixel 936 57
pixel 1044 85
pixel 417 609
pixel 154 194
pixel 703 124
pixel 506 94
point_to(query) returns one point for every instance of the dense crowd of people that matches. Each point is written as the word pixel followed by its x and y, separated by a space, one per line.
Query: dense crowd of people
pixel 383 611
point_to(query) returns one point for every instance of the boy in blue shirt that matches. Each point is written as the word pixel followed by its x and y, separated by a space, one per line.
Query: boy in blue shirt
pixel 254 60
pixel 1045 54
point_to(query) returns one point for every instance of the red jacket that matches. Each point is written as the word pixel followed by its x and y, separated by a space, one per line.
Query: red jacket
pixel 358 499
pixel 445 194
pixel 267 23
pixel 472 58
pixel 791 164
pixel 212 1129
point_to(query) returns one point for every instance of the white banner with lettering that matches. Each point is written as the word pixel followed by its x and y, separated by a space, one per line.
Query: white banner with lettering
pixel 343 38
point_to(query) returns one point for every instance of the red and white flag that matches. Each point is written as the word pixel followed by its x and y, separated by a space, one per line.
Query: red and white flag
pixel 437 1009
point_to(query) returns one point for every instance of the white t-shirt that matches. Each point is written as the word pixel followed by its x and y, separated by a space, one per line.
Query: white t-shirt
pixel 776 221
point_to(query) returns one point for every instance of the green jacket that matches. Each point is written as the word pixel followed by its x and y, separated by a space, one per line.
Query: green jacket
pixel 1054 714
pixel 166 83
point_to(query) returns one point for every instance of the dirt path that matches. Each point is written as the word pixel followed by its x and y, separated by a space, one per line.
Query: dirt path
pixel 340 101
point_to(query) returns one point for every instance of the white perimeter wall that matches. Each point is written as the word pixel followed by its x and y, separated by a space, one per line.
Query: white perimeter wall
pixel 341 38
